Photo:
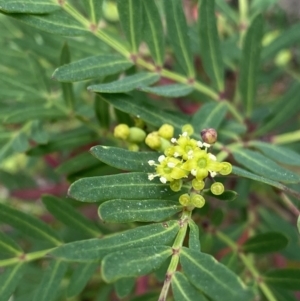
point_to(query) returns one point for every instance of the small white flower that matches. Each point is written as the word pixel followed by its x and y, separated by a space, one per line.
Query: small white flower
pixel 163 180
pixel 151 162
pixel 161 158
pixel 173 140
pixel 151 177
pixel 184 134
pixel 206 145
pixel 176 155
pixel 194 172
pixel 212 157
pixel 171 164
pixel 213 174
pixel 199 144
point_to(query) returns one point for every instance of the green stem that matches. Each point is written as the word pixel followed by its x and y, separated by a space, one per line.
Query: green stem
pixel 243 10
pixel 176 252
pixel 249 265
pixel 76 15
pixel 92 11
pixel 24 258
pixel 234 112
pixel 287 137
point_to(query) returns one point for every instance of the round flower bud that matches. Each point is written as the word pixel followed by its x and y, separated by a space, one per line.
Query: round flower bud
pixel 198 200
pixel 166 131
pixel 153 140
pixel 198 184
pixel 283 58
pixel 136 135
pixel 110 11
pixel 217 188
pixel 209 135
pixel 165 144
pixel 176 185
pixel 184 199
pixel 226 168
pixel 121 131
pixel 133 147
pixel 188 128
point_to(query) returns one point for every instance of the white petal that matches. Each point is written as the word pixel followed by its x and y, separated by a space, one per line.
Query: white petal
pixel 212 157
pixel 184 134
pixel 161 158
pixel 194 172
pixel 173 140
pixel 151 177
pixel 199 144
pixel 176 155
pixel 171 164
pixel 213 174
pixel 151 162
pixel 206 145
pixel 163 180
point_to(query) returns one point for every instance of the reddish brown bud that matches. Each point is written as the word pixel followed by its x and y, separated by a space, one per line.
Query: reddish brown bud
pixel 209 136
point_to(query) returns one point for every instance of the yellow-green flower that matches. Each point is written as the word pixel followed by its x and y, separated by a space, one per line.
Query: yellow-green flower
pixel 202 164
pixel 185 147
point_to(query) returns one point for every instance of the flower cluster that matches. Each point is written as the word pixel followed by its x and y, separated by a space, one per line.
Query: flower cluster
pixel 187 159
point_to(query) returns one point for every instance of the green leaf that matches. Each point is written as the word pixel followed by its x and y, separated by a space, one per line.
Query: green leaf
pixel 80 277
pixel 250 63
pixel 49 285
pixel 210 45
pixel 125 211
pixel 124 159
pixel 96 249
pixel 28 6
pixel 287 38
pixel 102 112
pixel 264 166
pixel 172 91
pixel 288 279
pixel 144 110
pixel 65 213
pixel 124 287
pixel 8 246
pixel 67 88
pixel 91 67
pixel 177 33
pixel 183 290
pixel 28 225
pixel 213 278
pixel 95 10
pixel 131 18
pixel 131 186
pixel 194 241
pixel 127 83
pixel 228 11
pixel 37 133
pixel 210 115
pixel 265 243
pixel 227 195
pixel 134 262
pixel 153 31
pixel 298 224
pixel 58 22
pixel 36 111
pixel 20 142
pixel 277 153
pixel 10 279
pixel 280 112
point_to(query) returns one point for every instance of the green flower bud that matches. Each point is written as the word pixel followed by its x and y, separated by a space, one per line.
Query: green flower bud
pixel 283 58
pixel 184 199
pixel 176 185
pixel 217 188
pixel 198 184
pixel 166 131
pixel 121 131
pixel 153 140
pixel 188 128
pixel 209 136
pixel 226 168
pixel 136 135
pixel 110 11
pixel 198 200
pixel 133 147
pixel 165 144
